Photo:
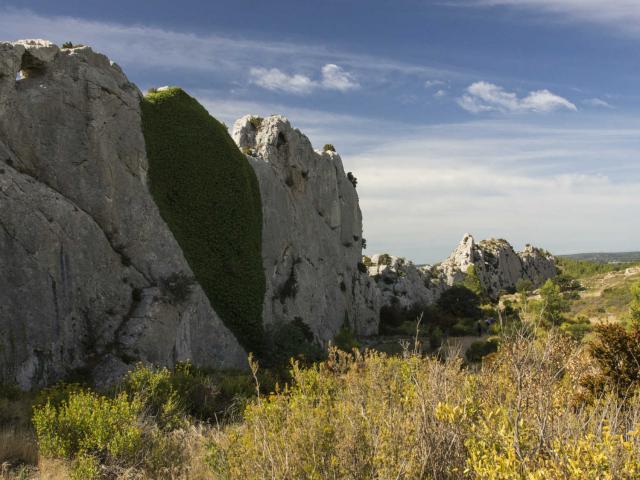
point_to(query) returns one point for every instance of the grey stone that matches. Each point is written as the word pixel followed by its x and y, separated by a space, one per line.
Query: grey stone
pixel 83 249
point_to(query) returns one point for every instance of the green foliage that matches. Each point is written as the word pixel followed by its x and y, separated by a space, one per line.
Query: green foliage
pixel 328 148
pixel 85 467
pixel 473 283
pixel 67 45
pixel 89 424
pixel 372 416
pixel 480 349
pixel 634 307
pixel 290 340
pixel 585 268
pixel 460 302
pixel 169 396
pixel 524 286
pixel 567 283
pixel 554 305
pixel 256 122
pixel 209 196
pixel 345 340
pixel 578 328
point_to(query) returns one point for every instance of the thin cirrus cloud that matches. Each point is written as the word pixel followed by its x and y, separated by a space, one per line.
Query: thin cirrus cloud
pixel 621 15
pixel 597 103
pixel 486 97
pixel 333 77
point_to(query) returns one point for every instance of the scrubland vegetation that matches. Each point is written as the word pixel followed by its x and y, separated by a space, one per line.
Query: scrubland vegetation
pixel 536 399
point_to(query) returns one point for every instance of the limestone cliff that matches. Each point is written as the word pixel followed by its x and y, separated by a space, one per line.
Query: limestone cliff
pixel 88 268
pixel 495 262
pixel 312 232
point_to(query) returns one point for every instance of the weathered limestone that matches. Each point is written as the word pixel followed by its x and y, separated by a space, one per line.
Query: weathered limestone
pixel 84 253
pixel 496 264
pixel 312 232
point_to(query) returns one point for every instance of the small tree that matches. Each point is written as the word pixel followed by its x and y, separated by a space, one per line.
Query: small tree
pixel 460 302
pixel 634 307
pixel 553 302
pixel 472 282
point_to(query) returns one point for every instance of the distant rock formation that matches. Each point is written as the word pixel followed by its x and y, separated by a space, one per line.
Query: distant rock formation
pixel 496 264
pixel 312 232
pixel 87 264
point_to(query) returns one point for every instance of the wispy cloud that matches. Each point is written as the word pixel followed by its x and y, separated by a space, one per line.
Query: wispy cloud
pixel 597 102
pixel 144 47
pixel 487 97
pixel 621 15
pixel 434 83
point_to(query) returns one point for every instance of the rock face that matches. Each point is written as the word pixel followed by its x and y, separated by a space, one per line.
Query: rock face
pixel 495 262
pixel 86 262
pixel 403 283
pixel 312 232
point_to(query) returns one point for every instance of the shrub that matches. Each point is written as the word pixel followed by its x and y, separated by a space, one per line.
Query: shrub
pixel 328 148
pixel 169 396
pixel 352 179
pixel 480 349
pixel 256 122
pixel 67 45
pixel 345 339
pixel 460 302
pixel 208 195
pixel 290 340
pixel 554 305
pixel 89 424
pixel 373 416
pixel 617 353
pixel 634 306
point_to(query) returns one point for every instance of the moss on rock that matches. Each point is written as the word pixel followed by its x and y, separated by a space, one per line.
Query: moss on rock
pixel 209 196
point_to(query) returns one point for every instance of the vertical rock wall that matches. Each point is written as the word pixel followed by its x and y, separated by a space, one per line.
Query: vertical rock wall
pixel 312 232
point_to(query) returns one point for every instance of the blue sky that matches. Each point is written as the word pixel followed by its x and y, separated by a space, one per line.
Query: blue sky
pixel 503 118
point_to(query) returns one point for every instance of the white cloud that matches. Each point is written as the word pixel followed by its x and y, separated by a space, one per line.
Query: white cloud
pixel 619 14
pixel 597 102
pixel 333 77
pixel 440 94
pixel 274 79
pixel 487 97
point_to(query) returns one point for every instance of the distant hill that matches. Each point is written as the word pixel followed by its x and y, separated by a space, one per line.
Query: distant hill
pixel 616 257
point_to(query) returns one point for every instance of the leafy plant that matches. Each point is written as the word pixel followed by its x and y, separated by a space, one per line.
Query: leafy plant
pixel 328 148
pixel 209 196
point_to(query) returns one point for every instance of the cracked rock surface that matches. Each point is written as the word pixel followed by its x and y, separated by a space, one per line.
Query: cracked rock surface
pixel 84 253
pixel 312 232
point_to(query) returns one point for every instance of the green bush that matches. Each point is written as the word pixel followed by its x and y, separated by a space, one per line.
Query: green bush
pixel 170 396
pixel 329 148
pixel 460 302
pixel 209 196
pixel 480 349
pixel 290 340
pixel 345 340
pixel 89 424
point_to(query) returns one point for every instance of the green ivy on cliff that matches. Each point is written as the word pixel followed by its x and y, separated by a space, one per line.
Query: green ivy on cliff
pixel 209 196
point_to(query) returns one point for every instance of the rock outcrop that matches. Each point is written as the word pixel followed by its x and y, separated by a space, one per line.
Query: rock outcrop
pixel 495 262
pixel 497 265
pixel 86 261
pixel 402 283
pixel 312 232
